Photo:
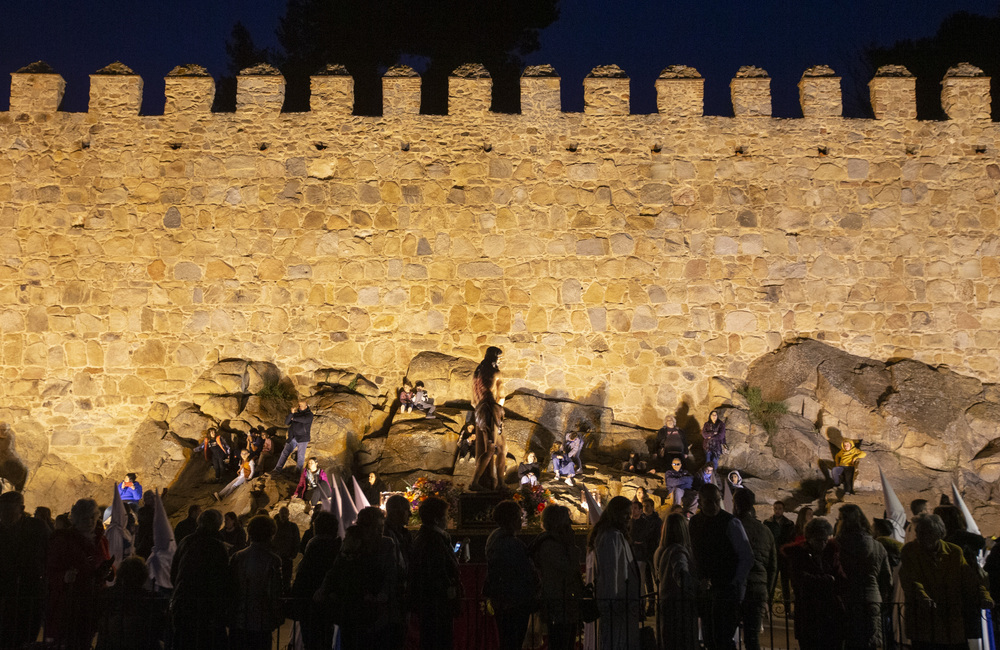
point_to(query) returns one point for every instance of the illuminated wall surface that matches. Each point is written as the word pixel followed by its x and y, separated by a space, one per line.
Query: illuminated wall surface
pixel 614 257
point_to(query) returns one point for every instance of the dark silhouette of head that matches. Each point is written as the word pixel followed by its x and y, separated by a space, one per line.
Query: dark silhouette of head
pixel 260 530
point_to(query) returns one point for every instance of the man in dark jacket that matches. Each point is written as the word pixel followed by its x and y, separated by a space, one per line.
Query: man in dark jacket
pixel 299 423
pixel 760 581
pixel 645 534
pixel 203 586
pixel 143 540
pixel 783 531
pixel 435 588
pixel 286 545
pixel 724 558
pixel 187 525
pixel 318 558
pixel 24 541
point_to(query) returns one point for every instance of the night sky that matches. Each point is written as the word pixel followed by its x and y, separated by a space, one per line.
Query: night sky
pixel 782 36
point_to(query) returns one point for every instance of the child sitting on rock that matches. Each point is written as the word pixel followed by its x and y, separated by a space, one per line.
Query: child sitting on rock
pixel 636 464
pixel 243 474
pixel 467 443
pixel 406 397
pixel 422 401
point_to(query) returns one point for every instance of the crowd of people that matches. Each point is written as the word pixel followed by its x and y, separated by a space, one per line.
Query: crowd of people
pixel 376 584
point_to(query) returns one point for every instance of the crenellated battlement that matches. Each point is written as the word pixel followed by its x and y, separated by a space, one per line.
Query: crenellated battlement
pixel 115 91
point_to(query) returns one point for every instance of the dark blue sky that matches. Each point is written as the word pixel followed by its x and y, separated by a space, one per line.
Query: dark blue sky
pixel 782 36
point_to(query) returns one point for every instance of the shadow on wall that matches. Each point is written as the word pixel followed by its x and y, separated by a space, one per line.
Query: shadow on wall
pixel 12 468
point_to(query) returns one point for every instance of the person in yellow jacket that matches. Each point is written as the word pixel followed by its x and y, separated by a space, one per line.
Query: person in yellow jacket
pixel 845 463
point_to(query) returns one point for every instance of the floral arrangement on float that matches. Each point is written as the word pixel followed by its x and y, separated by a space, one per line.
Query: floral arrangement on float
pixel 533 499
pixel 424 487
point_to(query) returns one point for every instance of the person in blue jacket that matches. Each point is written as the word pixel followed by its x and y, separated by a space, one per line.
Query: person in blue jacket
pixel 130 491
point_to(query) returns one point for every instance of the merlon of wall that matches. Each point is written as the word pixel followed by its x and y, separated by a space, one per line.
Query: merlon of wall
pixel 116 91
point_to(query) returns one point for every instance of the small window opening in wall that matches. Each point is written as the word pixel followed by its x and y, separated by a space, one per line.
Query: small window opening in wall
pixel 911 150
pixel 981 149
pixel 319 146
pixel 571 147
pixel 405 146
pixel 823 151
pixel 487 147
pixel 175 145
pixel 85 145
pixel 263 146
pixel 740 151
pixel 657 147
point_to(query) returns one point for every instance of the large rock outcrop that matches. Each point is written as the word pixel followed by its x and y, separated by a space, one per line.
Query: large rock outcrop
pixel 911 416
pixel 446 377
pixel 923 426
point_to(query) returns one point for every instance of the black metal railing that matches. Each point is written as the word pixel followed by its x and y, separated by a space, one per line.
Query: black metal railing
pixel 118 620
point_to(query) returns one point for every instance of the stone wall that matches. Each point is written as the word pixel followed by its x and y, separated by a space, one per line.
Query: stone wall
pixel 618 259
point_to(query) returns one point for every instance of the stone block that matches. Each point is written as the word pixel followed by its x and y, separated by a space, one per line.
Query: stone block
pixel 400 91
pixel 260 90
pixel 893 94
pixel 750 91
pixel 606 91
pixel 470 90
pixel 965 93
pixel 819 93
pixel 332 91
pixel 680 92
pixel 540 91
pixel 189 88
pixel 115 91
pixel 36 92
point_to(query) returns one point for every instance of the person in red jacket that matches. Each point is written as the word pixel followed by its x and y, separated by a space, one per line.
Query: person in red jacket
pixel 314 485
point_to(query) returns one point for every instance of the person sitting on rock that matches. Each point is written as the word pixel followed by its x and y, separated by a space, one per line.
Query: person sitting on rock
pixel 574 447
pixel 637 464
pixel 678 480
pixel 735 481
pixel 529 471
pixel 373 487
pixel 314 485
pixel 705 476
pixel 562 464
pixel 467 443
pixel 265 459
pixel 422 401
pixel 243 474
pixel 406 397
pixel 845 465
pixel 634 464
pixel 216 451
pixel 255 443
pixel 130 491
pixel 670 442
